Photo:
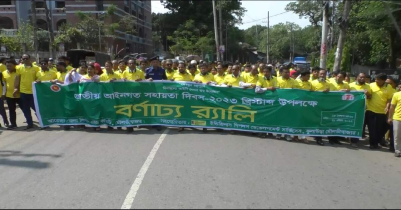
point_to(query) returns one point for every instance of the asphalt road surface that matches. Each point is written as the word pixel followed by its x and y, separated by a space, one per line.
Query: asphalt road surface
pixel 54 168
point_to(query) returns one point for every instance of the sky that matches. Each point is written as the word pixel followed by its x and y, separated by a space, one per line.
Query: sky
pixel 257 10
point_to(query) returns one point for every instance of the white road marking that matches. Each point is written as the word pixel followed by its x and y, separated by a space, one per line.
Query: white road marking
pixel 129 200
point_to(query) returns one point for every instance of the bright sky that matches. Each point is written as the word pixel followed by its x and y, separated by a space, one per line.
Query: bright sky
pixel 257 10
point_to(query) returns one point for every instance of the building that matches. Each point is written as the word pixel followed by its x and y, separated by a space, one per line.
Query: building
pixel 12 12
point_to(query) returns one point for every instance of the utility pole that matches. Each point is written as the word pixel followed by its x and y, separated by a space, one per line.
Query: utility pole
pixel 323 47
pixel 35 28
pixel 267 37
pixel 50 28
pixel 343 31
pixel 226 41
pixel 216 32
pixel 221 28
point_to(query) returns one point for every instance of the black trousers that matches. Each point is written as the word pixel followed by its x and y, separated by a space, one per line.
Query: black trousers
pixel 377 125
pixel 391 136
pixel 12 107
pixel 3 112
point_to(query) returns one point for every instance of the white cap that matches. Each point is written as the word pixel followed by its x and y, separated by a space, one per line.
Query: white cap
pixel 270 65
pixel 194 62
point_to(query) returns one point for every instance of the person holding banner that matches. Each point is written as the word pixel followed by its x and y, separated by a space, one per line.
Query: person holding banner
pixel 360 85
pixel 182 75
pixel 321 85
pixel 91 76
pixel 169 69
pixel 219 77
pixel 12 102
pixel 26 75
pixel 122 66
pixel 234 79
pixel 132 73
pixel 252 77
pixel 109 75
pixel 45 75
pixel 285 81
pixel 204 77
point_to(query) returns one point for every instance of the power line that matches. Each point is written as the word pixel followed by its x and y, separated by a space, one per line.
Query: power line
pixel 264 18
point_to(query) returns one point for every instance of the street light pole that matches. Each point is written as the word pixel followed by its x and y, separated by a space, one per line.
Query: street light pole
pixel 216 32
pixel 323 47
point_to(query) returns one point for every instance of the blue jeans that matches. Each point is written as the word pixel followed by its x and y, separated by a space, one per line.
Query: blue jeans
pixel 27 104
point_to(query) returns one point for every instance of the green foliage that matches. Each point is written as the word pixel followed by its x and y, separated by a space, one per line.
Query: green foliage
pixel 24 36
pixel 311 9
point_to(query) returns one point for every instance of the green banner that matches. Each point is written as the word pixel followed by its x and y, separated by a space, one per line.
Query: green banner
pixel 175 104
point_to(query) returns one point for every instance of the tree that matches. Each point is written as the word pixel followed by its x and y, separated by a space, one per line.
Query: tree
pixel 308 9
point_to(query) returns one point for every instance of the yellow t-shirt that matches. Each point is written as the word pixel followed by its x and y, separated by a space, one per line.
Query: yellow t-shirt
pixel 9 78
pixel 356 87
pixel 69 68
pixel 232 80
pixel 396 101
pixel 249 78
pixel 312 79
pixel 105 77
pixel 53 69
pixel 320 86
pixel 170 74
pixel 196 72
pixel 61 76
pixel 44 76
pixel 204 78
pixel 380 96
pixel 28 76
pixel 244 73
pixel 304 85
pixel 219 79
pixel 266 83
pixel 286 83
pixel 186 77
pixel 332 80
pixel 337 87
pixel 138 74
pixel 2 67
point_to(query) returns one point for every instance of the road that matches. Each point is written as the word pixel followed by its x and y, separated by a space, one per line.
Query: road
pixel 54 168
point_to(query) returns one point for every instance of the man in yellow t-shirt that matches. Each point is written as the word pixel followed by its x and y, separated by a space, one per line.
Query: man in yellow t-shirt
pixel 395 120
pixel 377 110
pixel 132 73
pixel 192 70
pixel 67 61
pixel 219 77
pixel 45 75
pixel 285 81
pixel 12 101
pixel 321 84
pixel 182 75
pixel 169 69
pixel 252 77
pixel 247 70
pixel 303 82
pixel 122 66
pixel 204 77
pixel 2 64
pixel 338 84
pixel 26 75
pixel 267 82
pixel 234 79
pixel 315 74
pixel 109 75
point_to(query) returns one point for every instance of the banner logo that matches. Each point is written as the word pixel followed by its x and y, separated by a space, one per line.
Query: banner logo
pixel 348 97
pixel 55 88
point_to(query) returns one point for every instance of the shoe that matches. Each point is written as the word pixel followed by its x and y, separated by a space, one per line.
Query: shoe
pixel 219 130
pixel 278 137
pixel 110 128
pixel 320 142
pixel 331 142
pixel 159 128
pixel 204 130
pixel 180 129
pixel 67 128
pixel 120 128
pixel 43 128
pixel 384 144
pixel 374 147
pixel 306 141
pixel 28 127
pixel 130 130
pixel 288 138
pixel 397 155
pixel 353 145
pixel 262 135
pixel 338 142
pixel 12 127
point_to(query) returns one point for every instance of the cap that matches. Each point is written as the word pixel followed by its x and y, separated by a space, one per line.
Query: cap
pixel 154 58
pixel 194 62
pixel 50 59
pixel 270 65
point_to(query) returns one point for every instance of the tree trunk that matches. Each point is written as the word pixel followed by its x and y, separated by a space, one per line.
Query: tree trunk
pixel 35 35
pixel 393 57
pixel 221 28
pixel 343 31
pixel 50 28
pixel 216 32
pixel 323 47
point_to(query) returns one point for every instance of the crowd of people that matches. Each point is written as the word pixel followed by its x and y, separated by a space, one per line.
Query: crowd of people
pixel 383 111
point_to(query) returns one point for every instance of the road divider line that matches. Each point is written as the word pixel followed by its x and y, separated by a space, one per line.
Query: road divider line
pixel 129 199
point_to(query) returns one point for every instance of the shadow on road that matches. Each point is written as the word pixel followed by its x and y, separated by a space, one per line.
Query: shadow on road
pixel 34 164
